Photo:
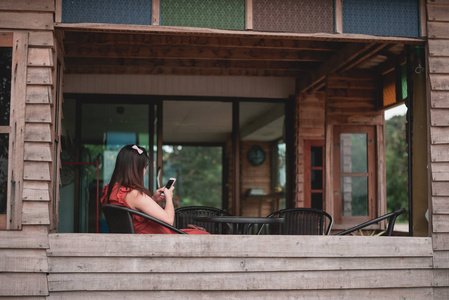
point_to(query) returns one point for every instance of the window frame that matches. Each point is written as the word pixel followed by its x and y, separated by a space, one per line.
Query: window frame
pixel 6 40
pixel 308 144
pixel 371 174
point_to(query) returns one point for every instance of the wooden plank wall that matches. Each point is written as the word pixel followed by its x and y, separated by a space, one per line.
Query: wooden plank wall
pixel 238 267
pixel 23 261
pixel 438 70
pixel 351 100
pixel 255 177
pixel 310 110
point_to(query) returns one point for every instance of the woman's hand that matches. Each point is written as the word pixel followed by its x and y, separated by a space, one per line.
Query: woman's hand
pixel 159 196
pixel 168 193
pixel 146 204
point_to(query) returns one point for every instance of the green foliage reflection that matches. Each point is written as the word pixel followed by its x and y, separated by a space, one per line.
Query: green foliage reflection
pixel 198 170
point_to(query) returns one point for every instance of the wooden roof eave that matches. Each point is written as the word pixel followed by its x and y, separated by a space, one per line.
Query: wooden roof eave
pixel 147 29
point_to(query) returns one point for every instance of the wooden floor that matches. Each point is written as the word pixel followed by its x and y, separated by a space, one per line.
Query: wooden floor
pixel 98 266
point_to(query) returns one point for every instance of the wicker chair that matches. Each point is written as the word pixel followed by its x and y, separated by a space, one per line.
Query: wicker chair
pixel 185 216
pixel 388 232
pixel 119 219
pixel 300 221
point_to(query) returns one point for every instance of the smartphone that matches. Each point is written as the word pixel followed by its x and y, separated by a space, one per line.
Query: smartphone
pixel 170 183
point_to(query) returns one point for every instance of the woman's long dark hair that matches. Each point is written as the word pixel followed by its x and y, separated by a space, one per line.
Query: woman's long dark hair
pixel 128 171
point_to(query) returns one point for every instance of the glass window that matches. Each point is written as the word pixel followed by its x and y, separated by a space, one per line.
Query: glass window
pixel 354 184
pixel 354 196
pixel 4 145
pixel 353 152
pixel 314 174
pixel 198 173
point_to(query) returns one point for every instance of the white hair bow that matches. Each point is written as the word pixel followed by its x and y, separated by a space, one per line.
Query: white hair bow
pixel 140 151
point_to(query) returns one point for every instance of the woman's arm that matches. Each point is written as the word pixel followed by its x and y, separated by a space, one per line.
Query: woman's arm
pixel 147 205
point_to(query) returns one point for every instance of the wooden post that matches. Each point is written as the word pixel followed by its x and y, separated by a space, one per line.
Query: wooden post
pixel 16 138
pixel 249 15
pixel 339 16
pixel 155 12
pixel 236 157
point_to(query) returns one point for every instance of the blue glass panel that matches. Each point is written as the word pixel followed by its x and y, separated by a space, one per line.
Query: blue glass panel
pixel 137 12
pixel 381 17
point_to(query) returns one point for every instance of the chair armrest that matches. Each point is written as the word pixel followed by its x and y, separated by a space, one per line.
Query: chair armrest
pixel 393 215
pixel 138 213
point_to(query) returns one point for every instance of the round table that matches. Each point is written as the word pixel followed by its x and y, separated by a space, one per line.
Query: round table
pixel 242 224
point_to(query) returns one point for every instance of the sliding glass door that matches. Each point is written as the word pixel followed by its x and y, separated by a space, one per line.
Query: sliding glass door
pixel 226 154
pixel 93 135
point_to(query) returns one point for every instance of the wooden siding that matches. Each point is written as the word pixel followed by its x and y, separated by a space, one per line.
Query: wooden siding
pixel 310 110
pixel 249 267
pixel 351 100
pixel 438 61
pixel 255 177
pixel 23 263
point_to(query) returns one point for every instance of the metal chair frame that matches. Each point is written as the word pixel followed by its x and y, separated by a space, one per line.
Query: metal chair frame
pixel 125 220
pixel 388 232
pixel 283 213
pixel 200 211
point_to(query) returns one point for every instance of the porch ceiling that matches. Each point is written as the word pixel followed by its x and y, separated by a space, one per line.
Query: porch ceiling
pixel 195 52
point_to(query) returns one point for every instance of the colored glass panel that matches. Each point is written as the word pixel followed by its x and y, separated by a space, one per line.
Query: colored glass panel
pixel 305 16
pixel 381 17
pixel 137 12
pixel 224 14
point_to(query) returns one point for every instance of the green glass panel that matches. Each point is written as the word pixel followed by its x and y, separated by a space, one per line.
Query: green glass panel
pixel 404 81
pixel 198 170
pixel 224 14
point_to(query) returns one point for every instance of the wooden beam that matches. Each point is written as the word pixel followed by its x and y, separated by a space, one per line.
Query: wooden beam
pixel 181 71
pixel 16 137
pixel 124 28
pixel 58 11
pixel 89 62
pixel 390 64
pixel 6 39
pixel 423 18
pixel 26 20
pixel 155 12
pixel 339 16
pixel 133 51
pixel 249 15
pixel 28 5
pixel 341 61
pixel 82 38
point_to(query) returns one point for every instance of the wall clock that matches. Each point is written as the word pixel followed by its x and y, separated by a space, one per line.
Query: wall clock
pixel 256 155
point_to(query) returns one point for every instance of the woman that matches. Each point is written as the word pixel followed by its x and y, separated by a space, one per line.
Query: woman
pixel 126 188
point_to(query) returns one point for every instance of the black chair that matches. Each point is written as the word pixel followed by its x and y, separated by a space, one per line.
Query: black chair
pixel 119 219
pixel 185 216
pixel 300 221
pixel 388 232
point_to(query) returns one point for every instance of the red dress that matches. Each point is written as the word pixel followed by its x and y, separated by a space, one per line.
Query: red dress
pixel 141 225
